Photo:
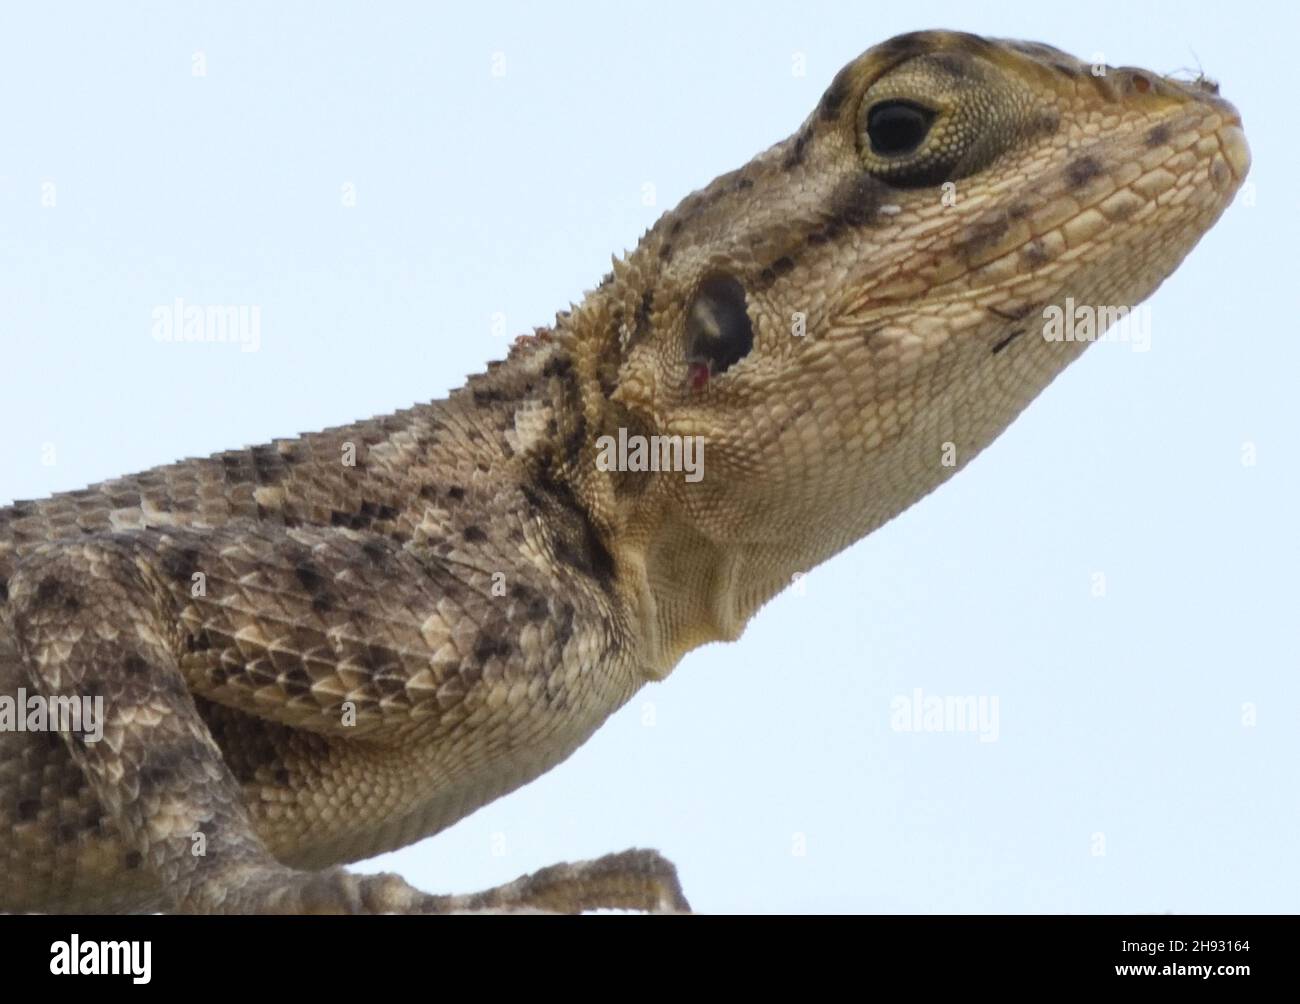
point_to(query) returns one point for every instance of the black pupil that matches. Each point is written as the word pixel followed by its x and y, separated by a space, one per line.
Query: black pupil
pixel 896 127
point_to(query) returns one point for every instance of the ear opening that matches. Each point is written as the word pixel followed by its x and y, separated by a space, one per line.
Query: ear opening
pixel 718 331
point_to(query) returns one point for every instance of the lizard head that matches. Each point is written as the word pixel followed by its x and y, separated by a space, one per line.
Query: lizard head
pixel 852 316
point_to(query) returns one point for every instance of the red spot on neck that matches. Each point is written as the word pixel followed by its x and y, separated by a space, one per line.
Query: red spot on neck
pixel 698 375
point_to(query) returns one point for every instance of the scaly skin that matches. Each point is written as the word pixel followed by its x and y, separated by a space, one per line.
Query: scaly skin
pixel 306 661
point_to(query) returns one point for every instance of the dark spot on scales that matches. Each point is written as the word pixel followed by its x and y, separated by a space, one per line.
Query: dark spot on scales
pixel 575 441
pixel 955 64
pixel 136 666
pixel 643 311
pixel 1157 136
pixel 533 499
pixel 375 552
pixel 161 764
pixel 794 157
pixel 1083 170
pixel 834 97
pixel 473 535
pixel 180 564
pixel 1046 123
pixel 268 465
pixel 913 43
pixel 558 366
pixel 1035 253
pixel 538 609
pixel 364 516
pixel 486 648
pixel 295 681
pixel 575 541
pixel 564 625
pixel 376 659
pixel 51 592
pixel 778 268
pixel 855 202
pixel 309 577
pixel 983 235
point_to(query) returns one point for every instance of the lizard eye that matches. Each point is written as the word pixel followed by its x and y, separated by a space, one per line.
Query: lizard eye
pixel 944 116
pixel 895 128
pixel 718 330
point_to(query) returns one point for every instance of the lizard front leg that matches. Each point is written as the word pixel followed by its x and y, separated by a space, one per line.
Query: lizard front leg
pixel 96 619
pixel 88 622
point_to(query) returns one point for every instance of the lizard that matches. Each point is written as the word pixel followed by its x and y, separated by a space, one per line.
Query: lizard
pixel 322 648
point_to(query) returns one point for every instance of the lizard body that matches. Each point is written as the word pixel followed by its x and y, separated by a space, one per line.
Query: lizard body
pixel 319 649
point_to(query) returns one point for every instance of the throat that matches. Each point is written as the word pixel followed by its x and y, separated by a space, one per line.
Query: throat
pixel 693 594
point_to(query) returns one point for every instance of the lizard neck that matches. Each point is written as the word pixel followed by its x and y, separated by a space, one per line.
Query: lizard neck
pixel 653 542
pixel 680 585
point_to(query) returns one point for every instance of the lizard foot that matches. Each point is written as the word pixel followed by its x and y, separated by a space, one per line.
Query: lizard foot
pixel 629 880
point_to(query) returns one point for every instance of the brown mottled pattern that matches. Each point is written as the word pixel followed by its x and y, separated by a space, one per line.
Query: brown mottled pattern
pixel 318 649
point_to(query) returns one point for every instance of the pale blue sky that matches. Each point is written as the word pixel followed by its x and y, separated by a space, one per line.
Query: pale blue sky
pixel 477 194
